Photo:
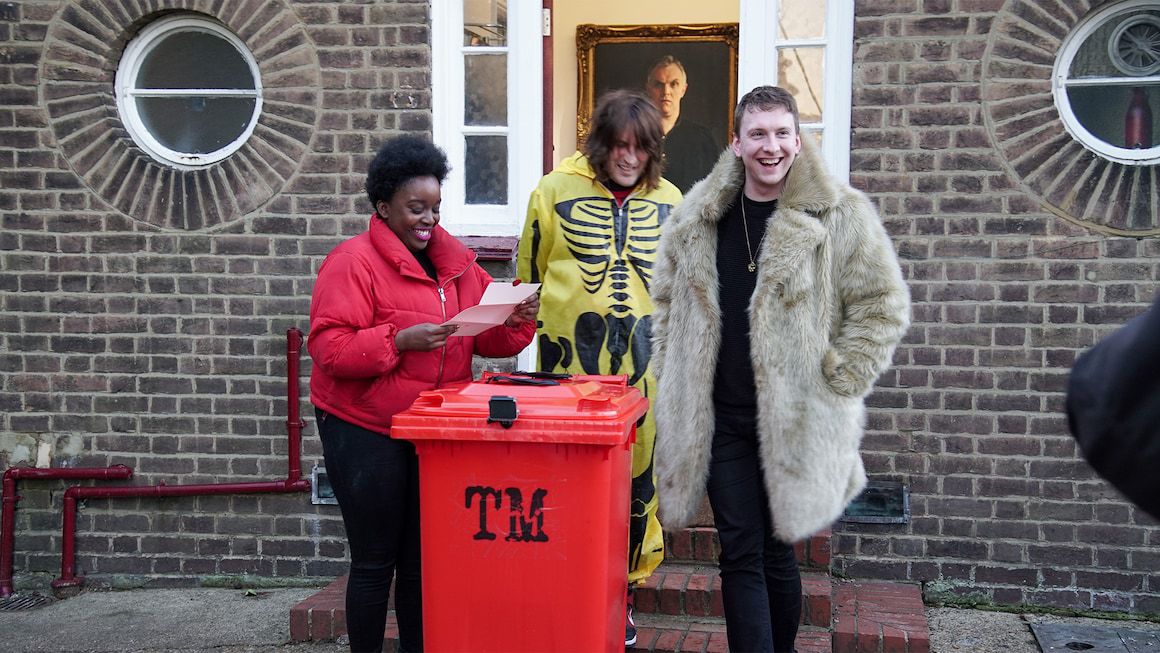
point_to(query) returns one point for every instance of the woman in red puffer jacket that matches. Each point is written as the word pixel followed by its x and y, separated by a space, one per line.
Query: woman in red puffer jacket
pixel 376 343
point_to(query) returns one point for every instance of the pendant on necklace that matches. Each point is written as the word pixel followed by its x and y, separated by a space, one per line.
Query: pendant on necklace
pixel 752 266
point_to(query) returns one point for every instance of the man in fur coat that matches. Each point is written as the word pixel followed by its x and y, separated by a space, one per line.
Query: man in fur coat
pixel 778 302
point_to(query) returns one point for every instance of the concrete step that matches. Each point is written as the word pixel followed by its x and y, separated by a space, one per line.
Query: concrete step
pixel 700 544
pixel 665 633
pixel 677 589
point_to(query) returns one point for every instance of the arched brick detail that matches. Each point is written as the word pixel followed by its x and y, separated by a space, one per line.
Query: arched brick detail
pixel 1019 111
pixel 82 50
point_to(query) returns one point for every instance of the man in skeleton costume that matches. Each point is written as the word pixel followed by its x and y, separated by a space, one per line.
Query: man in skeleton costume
pixel 591 238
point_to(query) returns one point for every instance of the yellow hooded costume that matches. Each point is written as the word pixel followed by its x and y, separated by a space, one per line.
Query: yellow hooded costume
pixel 595 261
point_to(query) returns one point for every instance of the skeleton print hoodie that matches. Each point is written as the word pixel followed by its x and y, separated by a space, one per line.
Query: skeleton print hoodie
pixel 595 261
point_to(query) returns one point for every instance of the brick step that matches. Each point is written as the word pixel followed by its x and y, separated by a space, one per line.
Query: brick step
pixel 665 633
pixel 677 589
pixel 321 617
pixel 700 544
pixel 868 616
pixel 874 616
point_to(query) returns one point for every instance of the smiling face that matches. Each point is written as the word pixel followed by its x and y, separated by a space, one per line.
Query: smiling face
pixel 626 160
pixel 413 211
pixel 767 142
pixel 666 86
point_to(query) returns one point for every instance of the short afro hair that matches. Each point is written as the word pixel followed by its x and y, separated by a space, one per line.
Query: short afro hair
pixel 400 160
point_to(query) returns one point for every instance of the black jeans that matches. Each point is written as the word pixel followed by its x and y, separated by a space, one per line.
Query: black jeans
pixel 760 581
pixel 376 481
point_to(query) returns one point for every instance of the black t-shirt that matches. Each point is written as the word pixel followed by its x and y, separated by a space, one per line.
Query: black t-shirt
pixel 690 152
pixel 733 385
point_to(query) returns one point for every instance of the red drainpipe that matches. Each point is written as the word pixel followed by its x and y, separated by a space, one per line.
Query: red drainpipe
pixel 70 582
pixel 9 499
pixel 294 421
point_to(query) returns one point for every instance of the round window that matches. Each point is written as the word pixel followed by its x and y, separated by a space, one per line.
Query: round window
pixel 1106 82
pixel 189 91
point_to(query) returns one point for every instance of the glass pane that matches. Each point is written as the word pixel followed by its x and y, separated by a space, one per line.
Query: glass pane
pixel 195 125
pixel 486 163
pixel 802 19
pixel 194 59
pixel 1127 45
pixel 485 87
pixel 801 72
pixel 485 23
pixel 1123 116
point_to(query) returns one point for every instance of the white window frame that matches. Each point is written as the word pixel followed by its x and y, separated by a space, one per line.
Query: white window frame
pixel 525 116
pixel 138 51
pixel 757 65
pixel 1060 83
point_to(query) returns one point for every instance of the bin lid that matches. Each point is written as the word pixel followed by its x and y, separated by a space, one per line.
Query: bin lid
pixel 581 409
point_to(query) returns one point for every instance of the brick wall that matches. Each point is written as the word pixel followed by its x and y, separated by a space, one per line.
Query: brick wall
pixel 1009 284
pixel 127 338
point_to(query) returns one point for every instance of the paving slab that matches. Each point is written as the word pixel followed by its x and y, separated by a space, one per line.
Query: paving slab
pixel 958 630
pixel 188 620
pixel 1109 638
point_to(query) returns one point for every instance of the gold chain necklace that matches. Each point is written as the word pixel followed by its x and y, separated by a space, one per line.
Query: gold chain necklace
pixel 752 267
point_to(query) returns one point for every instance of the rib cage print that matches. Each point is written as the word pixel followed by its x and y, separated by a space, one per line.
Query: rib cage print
pixel 609 243
pixel 607 239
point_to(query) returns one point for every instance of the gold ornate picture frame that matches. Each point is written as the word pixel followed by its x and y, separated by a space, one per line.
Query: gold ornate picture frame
pixel 621 56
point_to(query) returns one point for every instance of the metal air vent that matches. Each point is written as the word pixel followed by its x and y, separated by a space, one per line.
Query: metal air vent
pixel 882 502
pixel 321 493
pixel 1134 47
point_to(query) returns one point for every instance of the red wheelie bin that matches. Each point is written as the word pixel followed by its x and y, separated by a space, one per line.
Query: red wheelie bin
pixel 524 486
